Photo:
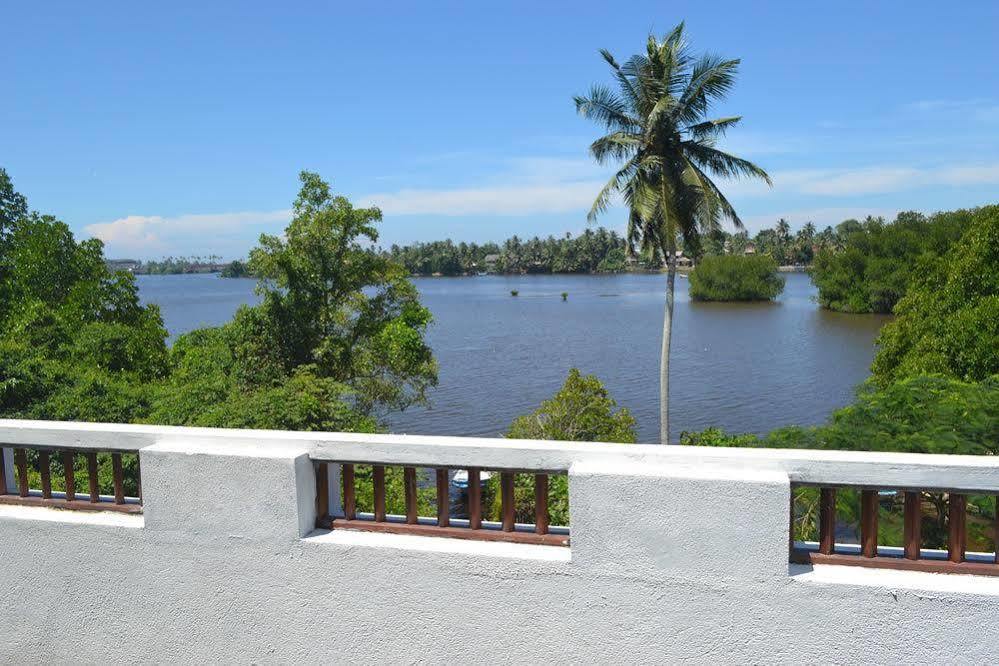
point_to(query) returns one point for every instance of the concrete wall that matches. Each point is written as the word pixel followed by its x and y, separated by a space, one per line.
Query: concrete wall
pixel 676 554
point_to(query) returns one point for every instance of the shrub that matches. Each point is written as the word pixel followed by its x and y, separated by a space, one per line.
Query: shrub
pixel 736 278
pixel 581 411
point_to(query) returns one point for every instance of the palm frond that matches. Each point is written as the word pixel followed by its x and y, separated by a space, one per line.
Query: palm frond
pixel 712 129
pixel 711 78
pixel 605 107
pixel 723 164
pixel 616 145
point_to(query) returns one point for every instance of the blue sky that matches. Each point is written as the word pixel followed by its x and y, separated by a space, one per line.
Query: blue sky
pixel 180 128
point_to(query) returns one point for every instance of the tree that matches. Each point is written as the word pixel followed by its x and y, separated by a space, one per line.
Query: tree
pixel 874 262
pixel 75 341
pixel 337 339
pixel 736 278
pixel 581 411
pixel 948 320
pixel 660 133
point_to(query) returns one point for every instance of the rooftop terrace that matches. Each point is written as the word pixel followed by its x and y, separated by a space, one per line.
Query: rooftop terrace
pixel 254 546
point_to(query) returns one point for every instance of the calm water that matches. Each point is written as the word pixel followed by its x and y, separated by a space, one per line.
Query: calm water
pixel 743 367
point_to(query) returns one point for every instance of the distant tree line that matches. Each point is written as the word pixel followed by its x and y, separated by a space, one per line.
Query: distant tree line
pixel 593 251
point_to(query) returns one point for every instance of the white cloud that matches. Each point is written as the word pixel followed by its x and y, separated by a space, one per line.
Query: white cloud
pixel 145 234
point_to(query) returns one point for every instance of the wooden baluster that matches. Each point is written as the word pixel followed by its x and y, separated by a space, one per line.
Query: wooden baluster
pixel 869 523
pixel 378 476
pixel 21 464
pixel 118 477
pixel 957 541
pixel 67 463
pixel 827 521
pixel 409 483
pixel 95 493
pixel 349 495
pixel 3 472
pixel 138 477
pixel 443 499
pixel 912 524
pixel 507 500
pixel 474 498
pixel 322 494
pixel 541 503
pixel 45 469
pixel 995 531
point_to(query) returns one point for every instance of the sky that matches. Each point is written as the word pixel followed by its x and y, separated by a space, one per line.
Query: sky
pixel 180 128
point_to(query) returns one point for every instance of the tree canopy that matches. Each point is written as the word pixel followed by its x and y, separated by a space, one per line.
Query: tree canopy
pixel 736 278
pixel 871 267
pixel 948 321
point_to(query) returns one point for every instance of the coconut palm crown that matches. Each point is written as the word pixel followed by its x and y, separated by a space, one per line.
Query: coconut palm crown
pixel 660 134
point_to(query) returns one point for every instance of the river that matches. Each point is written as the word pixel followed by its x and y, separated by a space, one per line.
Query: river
pixel 745 367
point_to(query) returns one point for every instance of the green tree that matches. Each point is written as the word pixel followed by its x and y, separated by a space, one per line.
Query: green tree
pixel 75 341
pixel 948 321
pixel 581 411
pixel 873 263
pixel 736 278
pixel 660 133
pixel 336 340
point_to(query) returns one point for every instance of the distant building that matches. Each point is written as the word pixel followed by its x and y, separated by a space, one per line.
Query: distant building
pixel 127 265
pixel 491 259
pixel 750 249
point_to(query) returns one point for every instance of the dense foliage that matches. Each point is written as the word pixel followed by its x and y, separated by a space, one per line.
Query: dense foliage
pixel 582 411
pixel 948 321
pixel 336 340
pixel 736 278
pixel 876 261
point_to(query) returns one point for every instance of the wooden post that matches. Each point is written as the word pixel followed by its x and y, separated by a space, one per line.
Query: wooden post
pixel 21 463
pixel 507 501
pixel 541 503
pixel 912 524
pixel 869 523
pixel 349 495
pixel 957 511
pixel 118 477
pixel 3 472
pixel 409 483
pixel 474 498
pixel 45 469
pixel 827 521
pixel 322 493
pixel 378 479
pixel 95 491
pixel 443 499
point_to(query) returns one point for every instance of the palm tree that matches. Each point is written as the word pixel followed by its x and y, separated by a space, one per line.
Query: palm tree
pixel 660 135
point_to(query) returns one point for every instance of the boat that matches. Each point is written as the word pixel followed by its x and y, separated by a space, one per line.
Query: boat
pixel 460 478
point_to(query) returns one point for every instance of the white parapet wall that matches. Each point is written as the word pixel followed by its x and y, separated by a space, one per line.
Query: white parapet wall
pixel 676 554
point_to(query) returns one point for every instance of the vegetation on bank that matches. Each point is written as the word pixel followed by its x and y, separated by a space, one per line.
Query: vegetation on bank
pixel 337 340
pixel 877 260
pixel 736 278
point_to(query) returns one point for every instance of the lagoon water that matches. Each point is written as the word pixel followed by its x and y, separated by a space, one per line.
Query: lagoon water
pixel 742 367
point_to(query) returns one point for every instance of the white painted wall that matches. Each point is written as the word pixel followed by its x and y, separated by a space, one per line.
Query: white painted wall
pixel 676 554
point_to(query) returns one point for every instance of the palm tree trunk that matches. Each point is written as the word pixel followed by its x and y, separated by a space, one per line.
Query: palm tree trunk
pixel 664 354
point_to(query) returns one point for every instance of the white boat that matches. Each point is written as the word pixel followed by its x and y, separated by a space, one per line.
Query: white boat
pixel 460 478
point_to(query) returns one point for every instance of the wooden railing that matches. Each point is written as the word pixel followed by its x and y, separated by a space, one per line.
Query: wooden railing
pixel 337 505
pixel 913 553
pixel 72 495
